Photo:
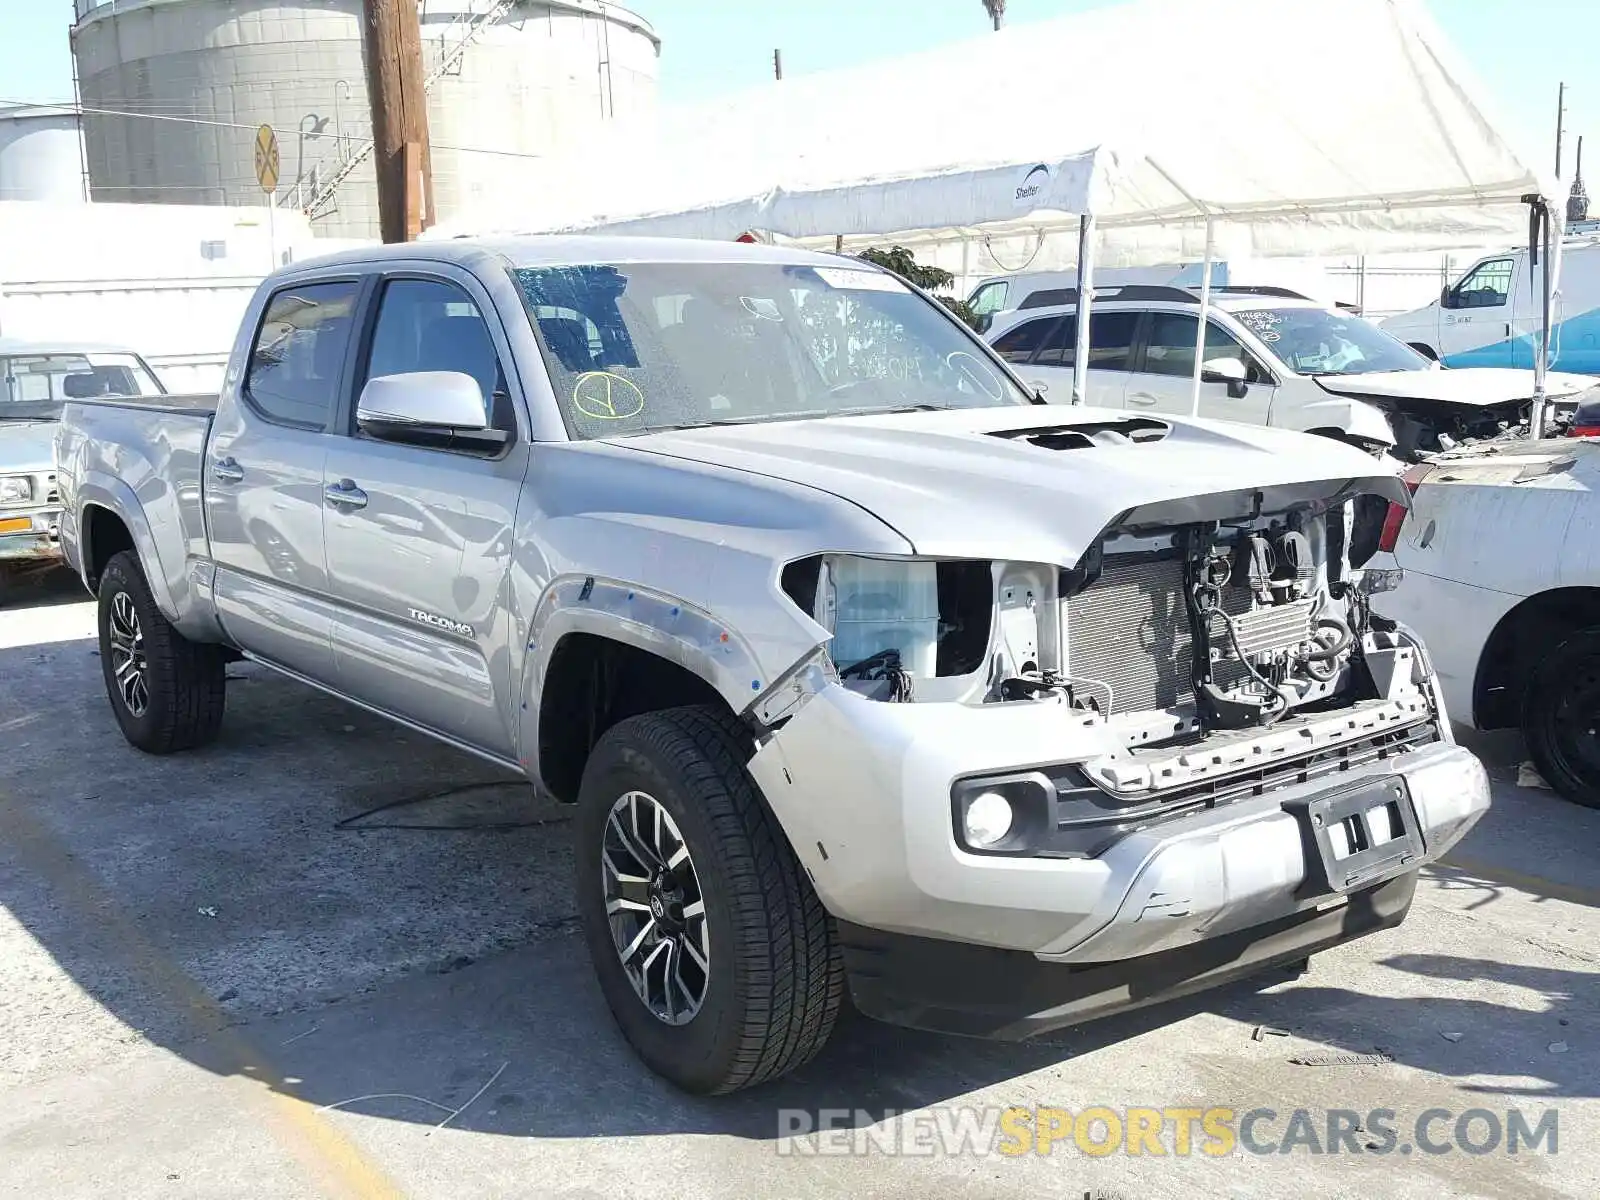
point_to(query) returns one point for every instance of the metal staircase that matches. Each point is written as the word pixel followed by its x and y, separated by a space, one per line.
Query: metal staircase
pixel 469 26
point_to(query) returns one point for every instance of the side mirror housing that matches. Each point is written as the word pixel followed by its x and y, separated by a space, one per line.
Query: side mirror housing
pixel 439 409
pixel 1229 371
pixel 1447 297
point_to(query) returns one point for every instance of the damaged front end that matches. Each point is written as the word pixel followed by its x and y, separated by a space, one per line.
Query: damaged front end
pixel 1424 427
pixel 1202 638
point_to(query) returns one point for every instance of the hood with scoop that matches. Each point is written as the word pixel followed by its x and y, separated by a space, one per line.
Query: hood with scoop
pixel 1033 484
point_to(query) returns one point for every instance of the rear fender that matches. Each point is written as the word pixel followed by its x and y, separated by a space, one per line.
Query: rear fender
pixel 181 588
pixel 100 490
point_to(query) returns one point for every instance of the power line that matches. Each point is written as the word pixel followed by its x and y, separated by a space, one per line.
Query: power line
pixel 286 132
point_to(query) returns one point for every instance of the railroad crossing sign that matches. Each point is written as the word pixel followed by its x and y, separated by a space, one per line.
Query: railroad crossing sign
pixel 267 159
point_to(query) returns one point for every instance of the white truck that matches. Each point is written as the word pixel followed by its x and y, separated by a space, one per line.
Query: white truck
pixel 1493 314
pixel 1502 577
pixel 864 670
pixel 1271 358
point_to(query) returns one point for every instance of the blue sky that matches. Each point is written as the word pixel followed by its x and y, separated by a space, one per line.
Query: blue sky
pixel 1521 48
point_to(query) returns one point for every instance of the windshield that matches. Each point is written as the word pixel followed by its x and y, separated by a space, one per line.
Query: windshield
pixel 34 386
pixel 1316 341
pixel 639 347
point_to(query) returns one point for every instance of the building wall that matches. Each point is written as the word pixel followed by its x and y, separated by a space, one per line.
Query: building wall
pixel 41 155
pixel 552 69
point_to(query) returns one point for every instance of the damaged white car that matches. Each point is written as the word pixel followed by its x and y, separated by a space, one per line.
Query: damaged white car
pixel 866 673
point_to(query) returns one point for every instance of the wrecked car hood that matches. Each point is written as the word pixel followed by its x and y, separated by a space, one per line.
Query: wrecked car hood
pixel 27 447
pixel 1480 387
pixel 1009 483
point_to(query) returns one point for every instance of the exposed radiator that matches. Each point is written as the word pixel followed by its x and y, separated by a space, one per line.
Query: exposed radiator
pixel 1130 630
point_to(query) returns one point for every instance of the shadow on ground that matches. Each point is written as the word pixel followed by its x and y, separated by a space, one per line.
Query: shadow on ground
pixel 41 588
pixel 212 902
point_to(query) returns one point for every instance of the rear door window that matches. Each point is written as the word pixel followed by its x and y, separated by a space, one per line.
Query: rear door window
pixel 1110 342
pixel 1018 345
pixel 299 353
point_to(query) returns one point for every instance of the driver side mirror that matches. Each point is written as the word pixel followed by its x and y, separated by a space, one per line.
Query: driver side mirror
pixel 442 410
pixel 1229 371
pixel 1447 297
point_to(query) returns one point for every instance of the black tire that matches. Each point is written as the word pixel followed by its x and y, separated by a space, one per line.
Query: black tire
pixel 1425 350
pixel 185 683
pixel 1561 717
pixel 775 980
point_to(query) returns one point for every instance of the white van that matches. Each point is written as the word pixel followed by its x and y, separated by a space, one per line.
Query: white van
pixel 1490 317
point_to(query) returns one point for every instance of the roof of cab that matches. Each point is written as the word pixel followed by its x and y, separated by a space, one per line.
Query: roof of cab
pixel 557 250
pixel 11 346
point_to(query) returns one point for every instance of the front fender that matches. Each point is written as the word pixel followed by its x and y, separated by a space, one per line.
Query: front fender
pixel 1354 418
pixel 666 626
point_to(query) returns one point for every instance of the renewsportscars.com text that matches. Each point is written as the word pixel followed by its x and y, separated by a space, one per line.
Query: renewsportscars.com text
pixel 1101 1130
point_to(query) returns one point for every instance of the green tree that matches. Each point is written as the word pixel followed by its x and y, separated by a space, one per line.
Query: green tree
pixel 930 279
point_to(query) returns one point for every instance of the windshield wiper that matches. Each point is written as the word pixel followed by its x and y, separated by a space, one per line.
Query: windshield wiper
pixel 808 415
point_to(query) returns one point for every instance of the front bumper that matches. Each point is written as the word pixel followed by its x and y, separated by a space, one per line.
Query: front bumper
pixel 32 535
pixel 1010 995
pixel 863 792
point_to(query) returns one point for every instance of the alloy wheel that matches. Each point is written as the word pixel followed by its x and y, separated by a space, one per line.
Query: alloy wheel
pixel 655 908
pixel 129 665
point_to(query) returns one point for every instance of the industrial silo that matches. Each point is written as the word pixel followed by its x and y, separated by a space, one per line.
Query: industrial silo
pixel 41 154
pixel 174 90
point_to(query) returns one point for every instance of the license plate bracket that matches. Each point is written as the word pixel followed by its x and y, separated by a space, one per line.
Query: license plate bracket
pixel 1357 836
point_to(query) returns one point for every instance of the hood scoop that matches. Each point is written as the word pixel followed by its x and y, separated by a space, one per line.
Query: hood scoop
pixel 1090 434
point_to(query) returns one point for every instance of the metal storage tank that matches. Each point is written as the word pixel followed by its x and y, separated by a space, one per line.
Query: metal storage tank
pixel 41 154
pixel 507 79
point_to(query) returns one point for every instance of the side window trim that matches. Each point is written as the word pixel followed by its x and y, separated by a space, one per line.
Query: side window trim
pixel 341 387
pixel 372 305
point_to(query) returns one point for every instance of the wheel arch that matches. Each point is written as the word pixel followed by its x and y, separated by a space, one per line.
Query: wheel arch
pixel 1543 620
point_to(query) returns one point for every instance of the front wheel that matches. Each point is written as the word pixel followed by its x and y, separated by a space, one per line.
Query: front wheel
pixel 1561 718
pixel 714 954
pixel 167 692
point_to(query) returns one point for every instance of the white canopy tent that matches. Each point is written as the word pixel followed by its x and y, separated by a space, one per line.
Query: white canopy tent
pixel 1154 131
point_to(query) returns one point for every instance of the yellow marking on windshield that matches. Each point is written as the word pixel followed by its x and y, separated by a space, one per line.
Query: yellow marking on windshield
pixel 607 397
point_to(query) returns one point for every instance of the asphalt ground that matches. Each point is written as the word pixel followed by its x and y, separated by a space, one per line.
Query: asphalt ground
pixel 218 977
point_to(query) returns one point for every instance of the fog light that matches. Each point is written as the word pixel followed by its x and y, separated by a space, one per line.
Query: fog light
pixel 987 820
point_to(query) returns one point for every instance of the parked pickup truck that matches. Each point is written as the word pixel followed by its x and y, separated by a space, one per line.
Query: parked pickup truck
pixel 1502 575
pixel 863 669
pixel 36 378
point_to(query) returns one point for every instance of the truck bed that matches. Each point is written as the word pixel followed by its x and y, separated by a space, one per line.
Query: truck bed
pixel 198 402
pixel 142 455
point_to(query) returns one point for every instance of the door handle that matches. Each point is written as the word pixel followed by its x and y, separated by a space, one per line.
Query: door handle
pixel 1142 399
pixel 227 470
pixel 345 494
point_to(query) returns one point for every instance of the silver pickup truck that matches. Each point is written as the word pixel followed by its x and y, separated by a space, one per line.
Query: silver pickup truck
pixel 867 673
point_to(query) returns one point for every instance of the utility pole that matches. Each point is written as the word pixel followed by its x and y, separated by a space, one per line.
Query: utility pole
pixel 1561 117
pixel 392 39
pixel 777 64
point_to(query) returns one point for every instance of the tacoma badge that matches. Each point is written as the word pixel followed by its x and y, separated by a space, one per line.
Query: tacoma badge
pixel 428 618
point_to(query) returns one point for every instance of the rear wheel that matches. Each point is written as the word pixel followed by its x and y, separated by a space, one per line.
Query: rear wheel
pixel 167 692
pixel 713 952
pixel 1561 718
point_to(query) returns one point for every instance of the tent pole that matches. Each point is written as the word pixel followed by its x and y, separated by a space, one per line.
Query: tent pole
pixel 1080 354
pixel 1552 236
pixel 1200 326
